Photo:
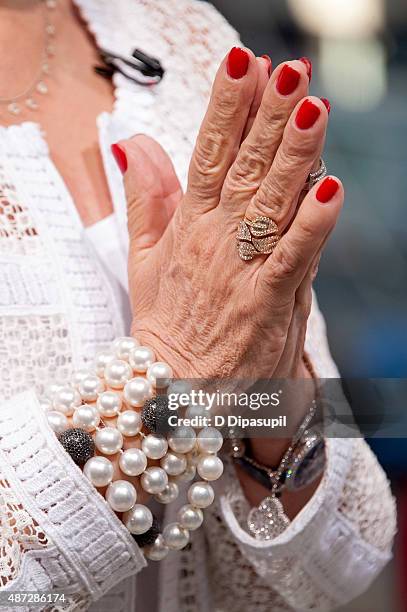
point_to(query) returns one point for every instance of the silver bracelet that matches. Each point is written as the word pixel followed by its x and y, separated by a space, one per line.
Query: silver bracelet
pixel 300 465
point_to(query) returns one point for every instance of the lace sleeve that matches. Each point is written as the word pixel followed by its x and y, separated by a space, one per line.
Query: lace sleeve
pixel 332 550
pixel 57 532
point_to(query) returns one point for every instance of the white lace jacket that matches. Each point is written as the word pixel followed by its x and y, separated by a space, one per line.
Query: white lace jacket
pixel 59 303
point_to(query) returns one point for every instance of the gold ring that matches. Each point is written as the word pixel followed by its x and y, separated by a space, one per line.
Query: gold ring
pixel 256 237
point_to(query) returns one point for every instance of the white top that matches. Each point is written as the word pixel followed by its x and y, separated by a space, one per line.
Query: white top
pixel 60 301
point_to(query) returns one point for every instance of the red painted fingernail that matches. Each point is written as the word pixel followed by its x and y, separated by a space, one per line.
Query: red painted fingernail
pixel 327 190
pixel 307 114
pixel 120 157
pixel 270 63
pixel 327 104
pixel 308 64
pixel 288 80
pixel 238 63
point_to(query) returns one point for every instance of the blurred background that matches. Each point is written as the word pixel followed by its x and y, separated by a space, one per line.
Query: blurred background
pixel 359 53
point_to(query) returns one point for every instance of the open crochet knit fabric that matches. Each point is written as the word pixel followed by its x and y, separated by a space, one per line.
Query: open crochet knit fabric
pixel 58 306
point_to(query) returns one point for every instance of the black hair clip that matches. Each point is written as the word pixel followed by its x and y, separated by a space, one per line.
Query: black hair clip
pixel 138 64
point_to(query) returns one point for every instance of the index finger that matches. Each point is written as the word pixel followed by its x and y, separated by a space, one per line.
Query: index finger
pixel 222 128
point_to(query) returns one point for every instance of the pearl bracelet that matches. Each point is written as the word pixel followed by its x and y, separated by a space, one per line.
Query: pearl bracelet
pixel 128 385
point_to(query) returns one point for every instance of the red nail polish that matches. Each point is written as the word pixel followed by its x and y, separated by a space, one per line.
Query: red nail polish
pixel 327 190
pixel 120 157
pixel 327 104
pixel 288 80
pixel 270 63
pixel 238 63
pixel 307 114
pixel 308 64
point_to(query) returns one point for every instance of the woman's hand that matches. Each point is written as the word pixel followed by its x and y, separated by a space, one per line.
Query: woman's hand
pixel 206 312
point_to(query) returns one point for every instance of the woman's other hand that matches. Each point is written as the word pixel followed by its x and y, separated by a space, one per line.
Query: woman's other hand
pixel 206 312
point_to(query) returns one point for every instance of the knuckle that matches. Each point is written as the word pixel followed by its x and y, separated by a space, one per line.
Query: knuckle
pixel 285 262
pixel 273 115
pixel 225 104
pixel 306 231
pixel 207 152
pixel 300 146
pixel 245 173
pixel 289 168
pixel 288 161
pixel 270 197
pixel 205 170
pixel 252 157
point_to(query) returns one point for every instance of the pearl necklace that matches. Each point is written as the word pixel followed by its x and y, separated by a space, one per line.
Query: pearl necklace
pixel 129 385
pixel 16 104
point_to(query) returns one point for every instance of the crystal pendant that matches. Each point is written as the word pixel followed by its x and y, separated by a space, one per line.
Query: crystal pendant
pixel 45 68
pixel 50 50
pixel 14 108
pixel 31 104
pixel 42 88
pixel 50 29
pixel 268 520
pixel 51 4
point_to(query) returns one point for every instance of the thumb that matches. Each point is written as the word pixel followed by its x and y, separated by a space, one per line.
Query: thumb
pixel 152 188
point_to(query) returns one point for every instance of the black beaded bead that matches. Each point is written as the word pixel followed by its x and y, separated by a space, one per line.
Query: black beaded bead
pixel 78 443
pixel 155 415
pixel 149 537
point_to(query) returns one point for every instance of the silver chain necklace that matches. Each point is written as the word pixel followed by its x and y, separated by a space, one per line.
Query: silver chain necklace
pixel 27 99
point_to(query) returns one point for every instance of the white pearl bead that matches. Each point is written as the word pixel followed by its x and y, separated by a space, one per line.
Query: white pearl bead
pixel 141 358
pixel 193 456
pixel 121 495
pixel 80 375
pixel 169 494
pixel 90 387
pixel 178 387
pixel 197 411
pixel 57 421
pixel 158 550
pixel 109 404
pixel 46 404
pixel 200 494
pixel 66 399
pixel 154 480
pixel 154 446
pixel 99 471
pixel 137 391
pixel 123 346
pixel 117 373
pixel 189 517
pixel 182 439
pixel 102 358
pixel 209 440
pixel 133 462
pixel 86 417
pixel 51 389
pixel 138 519
pixel 159 374
pixel 210 467
pixel 175 536
pixel 108 440
pixel 174 464
pixel 129 423
pixel 187 475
